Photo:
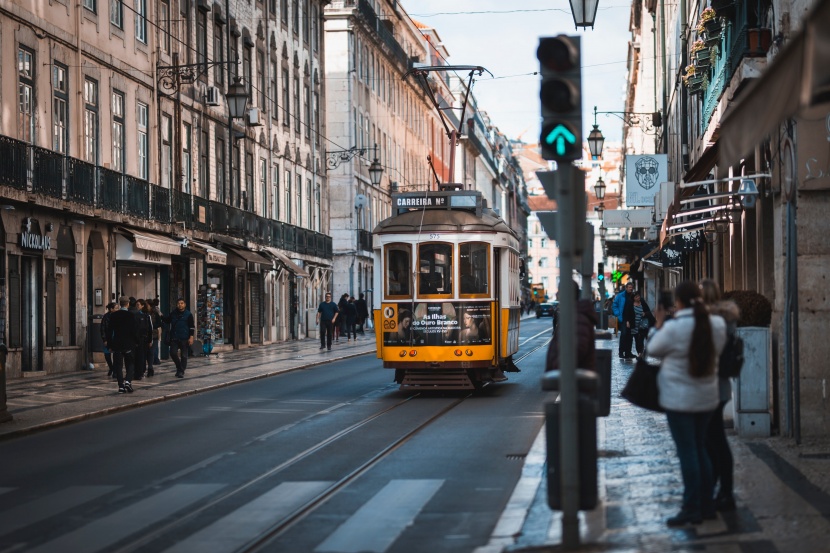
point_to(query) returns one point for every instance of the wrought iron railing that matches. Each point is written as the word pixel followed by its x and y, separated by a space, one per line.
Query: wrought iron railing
pixel 182 205
pixel 138 197
pixel 160 203
pixel 47 172
pixel 110 190
pixel 15 156
pixel 201 214
pixel 58 176
pixel 80 184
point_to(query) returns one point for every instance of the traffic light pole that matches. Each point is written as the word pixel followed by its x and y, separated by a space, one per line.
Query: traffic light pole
pixel 568 235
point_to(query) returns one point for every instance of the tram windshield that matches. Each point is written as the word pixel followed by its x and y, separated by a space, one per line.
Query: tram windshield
pixel 435 269
pixel 473 268
pixel 398 272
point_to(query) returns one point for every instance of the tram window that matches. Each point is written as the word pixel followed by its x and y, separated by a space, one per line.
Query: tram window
pixel 435 269
pixel 398 273
pixel 473 268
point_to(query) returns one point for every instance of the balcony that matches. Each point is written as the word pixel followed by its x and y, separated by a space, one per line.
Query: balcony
pixel 737 42
pixel 52 174
pixel 384 34
pixel 364 240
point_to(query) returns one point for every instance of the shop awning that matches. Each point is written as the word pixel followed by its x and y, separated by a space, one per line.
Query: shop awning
pixel 213 256
pixel 624 248
pixel 797 79
pixel 290 265
pixel 250 256
pixel 152 242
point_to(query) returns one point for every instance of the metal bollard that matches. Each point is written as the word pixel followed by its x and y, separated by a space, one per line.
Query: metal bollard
pixel 5 416
pixel 603 360
pixel 587 385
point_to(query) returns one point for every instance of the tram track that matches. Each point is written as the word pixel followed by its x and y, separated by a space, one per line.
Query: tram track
pixel 300 513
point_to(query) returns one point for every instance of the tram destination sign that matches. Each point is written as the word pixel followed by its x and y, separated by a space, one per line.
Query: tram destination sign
pixel 467 199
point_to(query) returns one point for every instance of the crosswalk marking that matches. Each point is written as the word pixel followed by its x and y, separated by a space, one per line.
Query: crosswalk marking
pixel 110 529
pixel 21 516
pixel 388 513
pixel 251 520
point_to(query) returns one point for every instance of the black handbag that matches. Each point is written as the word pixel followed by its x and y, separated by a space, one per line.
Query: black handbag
pixel 641 389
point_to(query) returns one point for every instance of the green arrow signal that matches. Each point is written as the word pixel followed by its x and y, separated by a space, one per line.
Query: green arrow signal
pixel 560 135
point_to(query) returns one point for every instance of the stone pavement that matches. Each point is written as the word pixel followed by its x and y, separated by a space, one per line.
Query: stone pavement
pixel 41 402
pixel 782 490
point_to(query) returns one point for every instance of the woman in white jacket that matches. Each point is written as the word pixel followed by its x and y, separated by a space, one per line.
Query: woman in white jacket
pixel 689 345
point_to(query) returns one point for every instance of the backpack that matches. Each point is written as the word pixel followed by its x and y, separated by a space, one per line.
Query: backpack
pixel 732 357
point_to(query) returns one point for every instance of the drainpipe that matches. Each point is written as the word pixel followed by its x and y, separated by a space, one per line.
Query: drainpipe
pixel 654 41
pixel 684 98
pixel 665 74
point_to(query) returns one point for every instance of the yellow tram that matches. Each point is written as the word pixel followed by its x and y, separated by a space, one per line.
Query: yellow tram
pixel 447 311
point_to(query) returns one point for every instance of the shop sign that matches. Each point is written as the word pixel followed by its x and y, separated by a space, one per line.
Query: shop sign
pixel 125 251
pixel 643 175
pixel 213 258
pixel 33 241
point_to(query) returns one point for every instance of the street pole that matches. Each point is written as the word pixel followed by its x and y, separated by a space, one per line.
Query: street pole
pixel 569 188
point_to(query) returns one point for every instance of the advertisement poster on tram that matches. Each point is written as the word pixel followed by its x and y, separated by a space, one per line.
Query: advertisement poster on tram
pixel 436 324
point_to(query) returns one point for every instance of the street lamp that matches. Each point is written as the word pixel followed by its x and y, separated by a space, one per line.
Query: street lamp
pixel 721 222
pixel 602 232
pixel 600 209
pixel 595 140
pixel 599 188
pixel 375 169
pixel 237 97
pixel 584 12
pixel 733 210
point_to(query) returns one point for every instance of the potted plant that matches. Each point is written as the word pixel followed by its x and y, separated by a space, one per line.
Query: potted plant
pixel 701 54
pixel 694 80
pixel 709 22
pixel 752 392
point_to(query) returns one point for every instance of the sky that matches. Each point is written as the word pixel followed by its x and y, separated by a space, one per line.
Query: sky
pixel 502 37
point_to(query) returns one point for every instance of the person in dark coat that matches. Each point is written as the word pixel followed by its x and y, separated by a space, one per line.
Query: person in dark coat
pixel 351 319
pixel 327 313
pixel 637 319
pixel 112 307
pixel 586 321
pixel 362 312
pixel 158 325
pixel 182 332
pixel 341 306
pixel 121 341
pixel 144 338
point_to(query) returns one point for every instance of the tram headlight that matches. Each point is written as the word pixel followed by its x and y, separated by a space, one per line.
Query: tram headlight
pixel 468 352
pixel 458 353
pixel 413 353
pixel 402 353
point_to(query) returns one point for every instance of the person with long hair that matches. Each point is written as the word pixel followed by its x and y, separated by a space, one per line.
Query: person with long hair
pixel 716 443
pixel 689 345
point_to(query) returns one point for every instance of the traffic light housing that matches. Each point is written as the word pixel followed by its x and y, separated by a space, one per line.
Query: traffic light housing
pixel 561 97
pixel 600 272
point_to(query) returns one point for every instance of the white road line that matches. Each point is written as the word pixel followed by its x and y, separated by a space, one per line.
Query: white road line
pixel 113 528
pixel 388 514
pixel 249 521
pixel 21 516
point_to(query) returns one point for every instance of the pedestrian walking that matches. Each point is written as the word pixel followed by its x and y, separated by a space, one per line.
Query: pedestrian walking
pixel 121 341
pixel 105 323
pixel 362 312
pixel 351 319
pixel 716 443
pixel 146 308
pixel 341 327
pixel 621 301
pixel 639 319
pixel 689 345
pixel 327 313
pixel 143 338
pixel 158 326
pixel 181 334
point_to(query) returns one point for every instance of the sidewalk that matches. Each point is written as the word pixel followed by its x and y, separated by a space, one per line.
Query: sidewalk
pixel 782 491
pixel 41 402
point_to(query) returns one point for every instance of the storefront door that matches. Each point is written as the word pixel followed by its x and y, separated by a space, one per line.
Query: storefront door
pixel 30 313
pixel 255 283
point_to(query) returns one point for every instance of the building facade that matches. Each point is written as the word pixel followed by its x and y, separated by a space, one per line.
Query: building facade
pixel 127 175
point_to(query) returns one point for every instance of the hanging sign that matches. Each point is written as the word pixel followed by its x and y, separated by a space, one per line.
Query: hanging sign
pixel 643 175
pixel 32 241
